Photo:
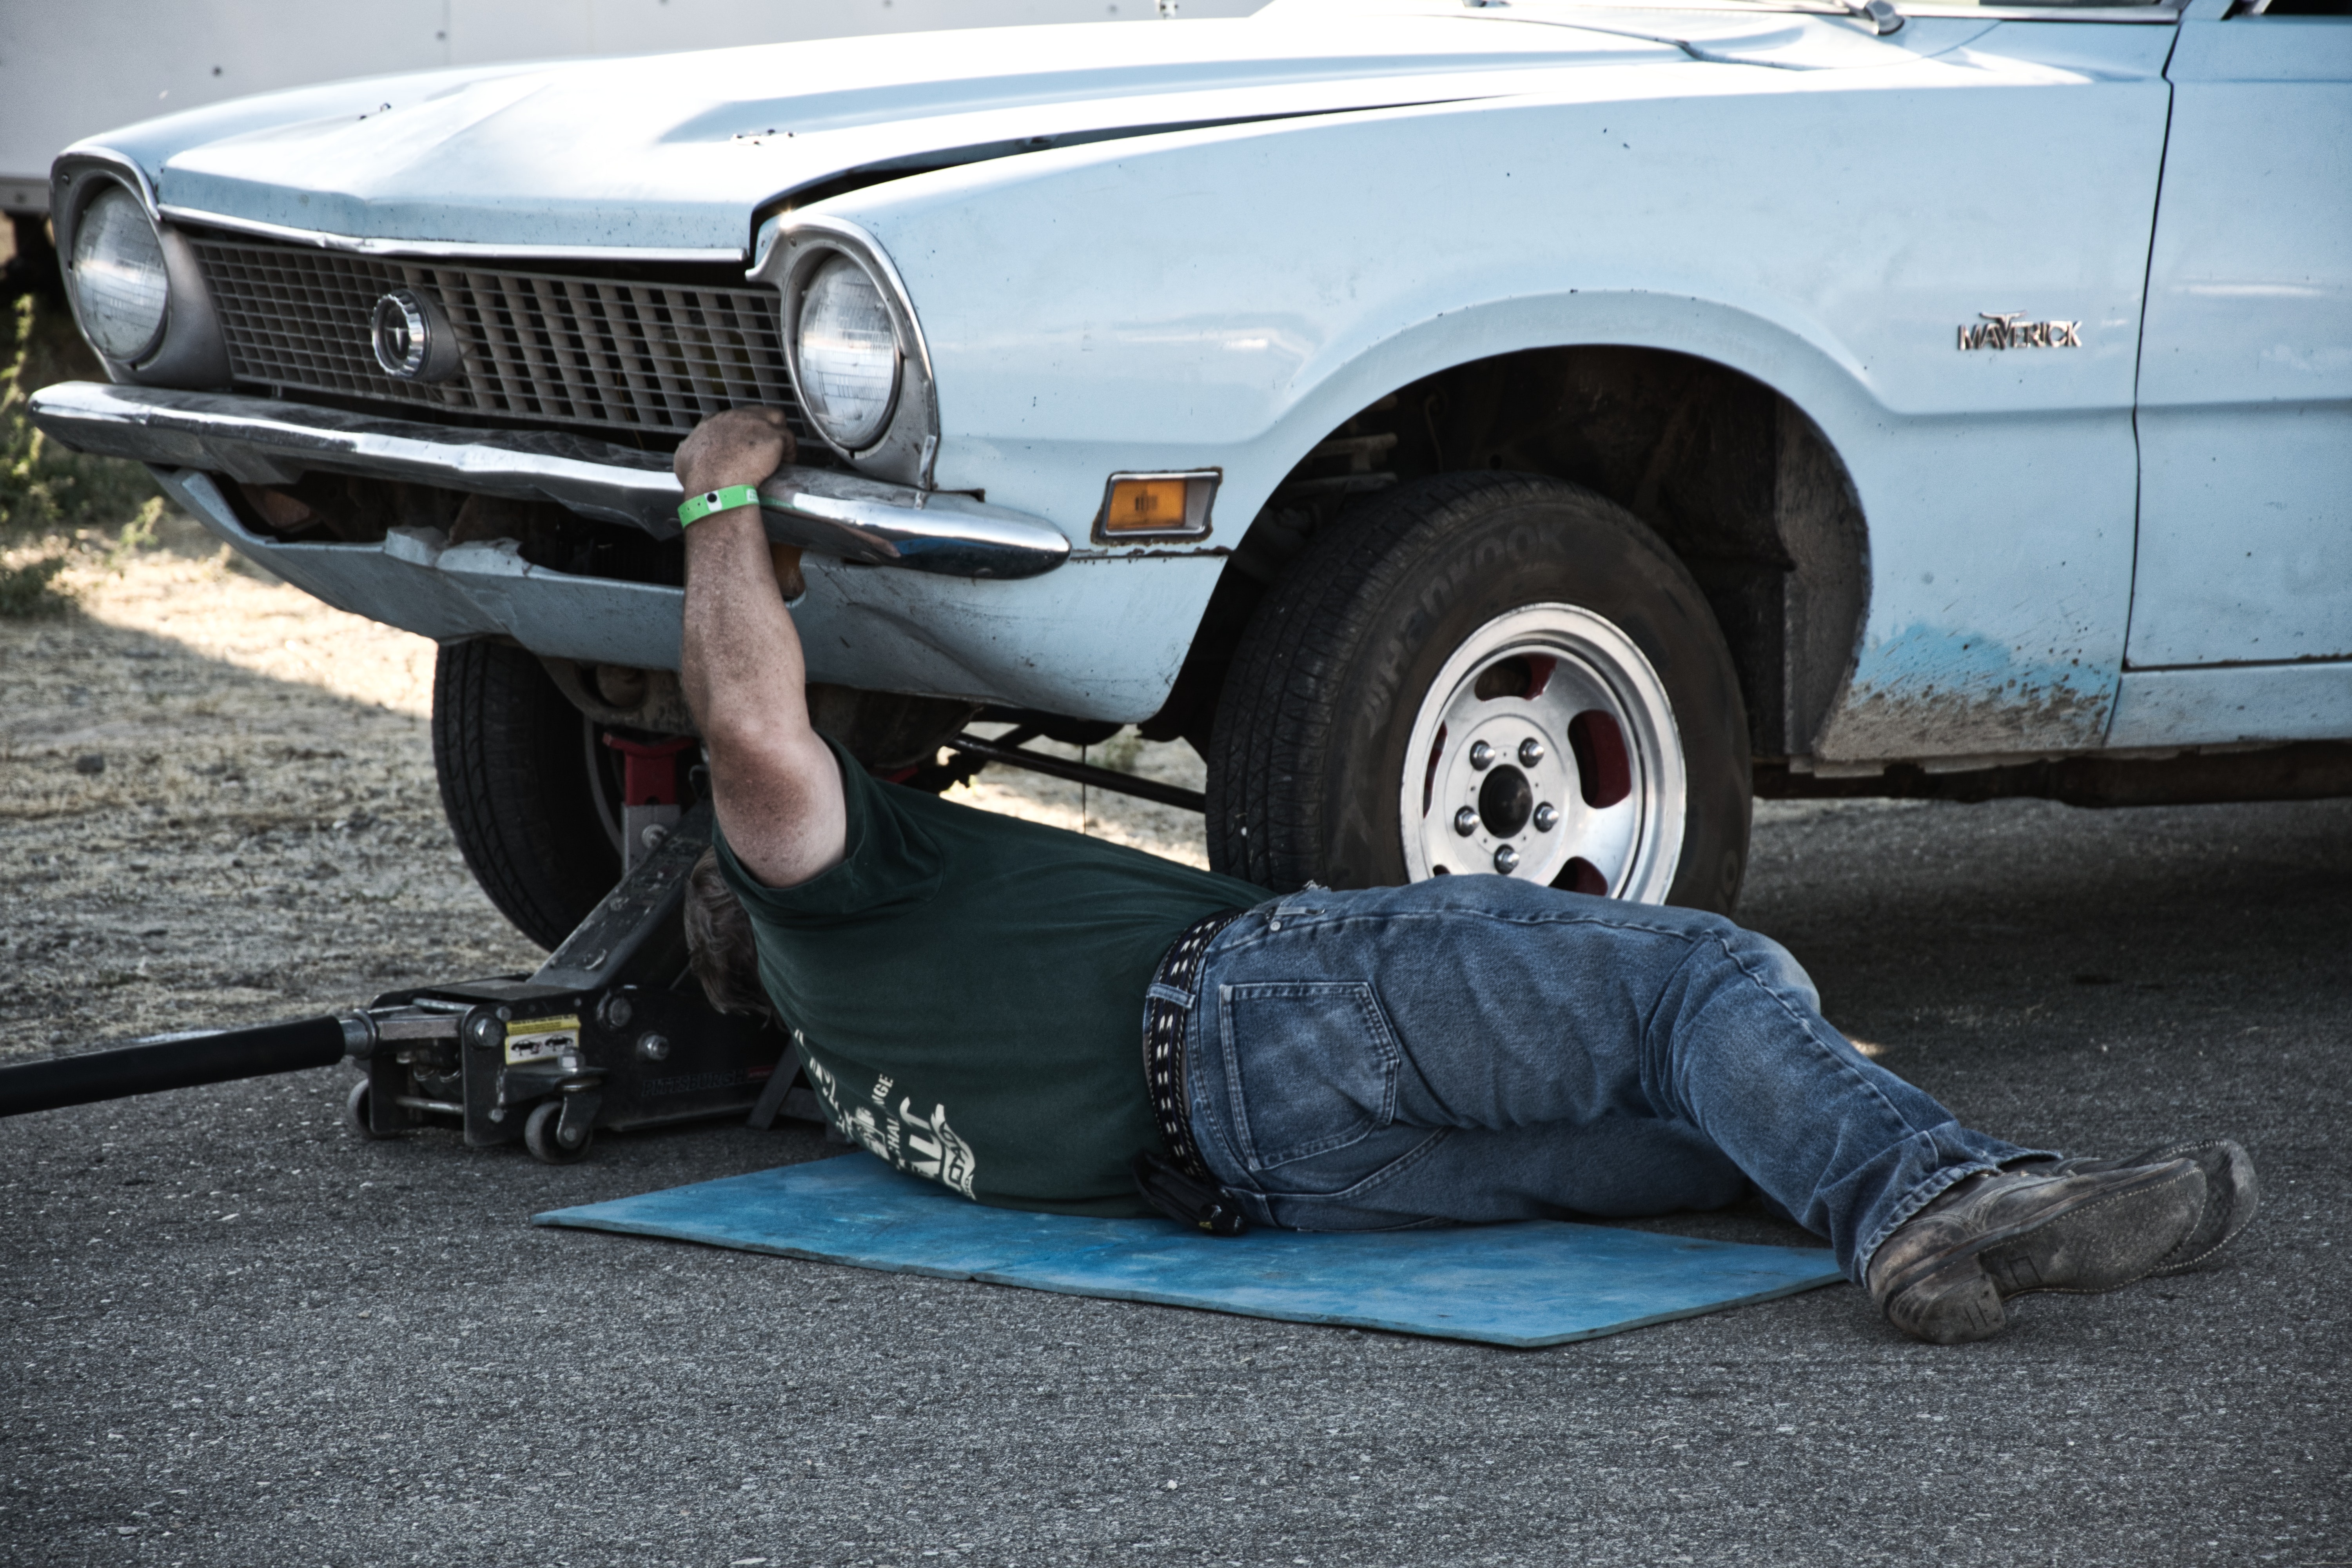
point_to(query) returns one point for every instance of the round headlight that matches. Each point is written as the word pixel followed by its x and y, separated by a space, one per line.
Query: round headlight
pixel 847 352
pixel 117 274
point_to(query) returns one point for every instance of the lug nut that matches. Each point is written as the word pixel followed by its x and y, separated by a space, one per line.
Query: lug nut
pixel 1482 756
pixel 1531 751
pixel 1545 818
pixel 1506 859
pixel 1465 821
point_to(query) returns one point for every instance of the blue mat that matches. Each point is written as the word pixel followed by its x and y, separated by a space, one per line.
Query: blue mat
pixel 1539 1283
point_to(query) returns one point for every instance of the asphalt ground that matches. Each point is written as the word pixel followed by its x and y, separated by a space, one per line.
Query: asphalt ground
pixel 231 1334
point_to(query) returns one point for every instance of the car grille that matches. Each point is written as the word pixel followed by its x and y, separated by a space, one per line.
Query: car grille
pixel 587 352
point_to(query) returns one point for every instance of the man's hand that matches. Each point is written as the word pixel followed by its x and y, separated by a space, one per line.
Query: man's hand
pixel 742 447
pixel 773 783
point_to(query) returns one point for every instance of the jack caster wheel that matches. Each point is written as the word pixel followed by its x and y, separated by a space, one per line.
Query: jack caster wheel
pixel 356 1106
pixel 539 1135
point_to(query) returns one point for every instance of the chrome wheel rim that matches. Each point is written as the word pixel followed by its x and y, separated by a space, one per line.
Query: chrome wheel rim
pixel 1546 749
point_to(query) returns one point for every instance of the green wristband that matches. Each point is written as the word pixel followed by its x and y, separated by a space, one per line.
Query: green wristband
pixel 696 508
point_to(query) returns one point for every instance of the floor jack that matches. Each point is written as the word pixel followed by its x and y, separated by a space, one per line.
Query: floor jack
pixel 609 1034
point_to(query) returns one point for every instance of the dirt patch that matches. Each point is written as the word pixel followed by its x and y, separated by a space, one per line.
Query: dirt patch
pixel 217 803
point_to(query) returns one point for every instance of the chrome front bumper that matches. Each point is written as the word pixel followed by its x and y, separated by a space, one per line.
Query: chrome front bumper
pixel 261 441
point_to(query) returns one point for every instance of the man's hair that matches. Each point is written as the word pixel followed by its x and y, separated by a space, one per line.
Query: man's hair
pixel 720 949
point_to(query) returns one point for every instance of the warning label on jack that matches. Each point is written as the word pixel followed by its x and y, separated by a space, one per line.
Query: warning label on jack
pixel 541 1039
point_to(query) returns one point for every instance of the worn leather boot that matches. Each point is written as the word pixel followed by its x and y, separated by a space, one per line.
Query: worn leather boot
pixel 1944 1273
pixel 2232 1193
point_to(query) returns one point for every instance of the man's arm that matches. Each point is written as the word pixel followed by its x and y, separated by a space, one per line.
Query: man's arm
pixel 774 785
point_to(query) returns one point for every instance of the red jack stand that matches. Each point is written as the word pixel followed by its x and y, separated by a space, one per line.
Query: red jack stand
pixel 649 792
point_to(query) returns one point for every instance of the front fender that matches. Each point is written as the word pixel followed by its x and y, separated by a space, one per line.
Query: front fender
pixel 1225 298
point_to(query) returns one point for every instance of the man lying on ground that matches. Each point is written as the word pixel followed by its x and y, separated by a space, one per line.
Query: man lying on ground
pixel 1020 1011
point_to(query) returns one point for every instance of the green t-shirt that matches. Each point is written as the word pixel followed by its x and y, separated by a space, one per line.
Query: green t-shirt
pixel 965 992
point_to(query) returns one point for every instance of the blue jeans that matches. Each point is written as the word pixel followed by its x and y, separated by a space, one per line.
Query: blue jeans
pixel 1472 1050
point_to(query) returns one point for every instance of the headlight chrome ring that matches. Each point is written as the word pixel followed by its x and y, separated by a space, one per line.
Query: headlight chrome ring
pixel 120 287
pixel 861 371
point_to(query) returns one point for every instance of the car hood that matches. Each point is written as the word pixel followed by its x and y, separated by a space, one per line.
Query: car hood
pixel 674 152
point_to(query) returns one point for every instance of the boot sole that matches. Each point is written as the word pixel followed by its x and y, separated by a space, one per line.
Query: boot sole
pixel 2238 1191
pixel 2096 1245
pixel 2100 1246
pixel 2232 1196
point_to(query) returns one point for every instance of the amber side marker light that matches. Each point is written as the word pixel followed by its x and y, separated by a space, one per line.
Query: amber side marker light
pixel 1157 506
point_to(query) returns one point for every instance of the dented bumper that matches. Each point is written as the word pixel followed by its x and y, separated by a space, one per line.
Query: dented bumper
pixel 261 441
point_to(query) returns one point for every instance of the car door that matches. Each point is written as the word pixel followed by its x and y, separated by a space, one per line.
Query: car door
pixel 2242 590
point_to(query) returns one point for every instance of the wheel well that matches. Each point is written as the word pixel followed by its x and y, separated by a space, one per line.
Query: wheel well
pixel 1738 481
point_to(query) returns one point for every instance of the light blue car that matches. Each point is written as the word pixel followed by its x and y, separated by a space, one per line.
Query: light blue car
pixel 1501 437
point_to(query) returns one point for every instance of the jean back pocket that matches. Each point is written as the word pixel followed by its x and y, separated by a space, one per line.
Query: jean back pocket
pixel 1311 1066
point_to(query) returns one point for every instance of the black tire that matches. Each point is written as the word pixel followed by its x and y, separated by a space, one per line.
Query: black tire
pixel 519 782
pixel 539 1135
pixel 1306 764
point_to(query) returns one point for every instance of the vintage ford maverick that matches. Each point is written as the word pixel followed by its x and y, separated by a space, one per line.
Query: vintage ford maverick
pixel 1502 438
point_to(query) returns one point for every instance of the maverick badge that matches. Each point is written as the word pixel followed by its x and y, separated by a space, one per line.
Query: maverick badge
pixel 2010 330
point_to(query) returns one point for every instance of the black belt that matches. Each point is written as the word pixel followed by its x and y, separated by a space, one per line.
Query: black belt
pixel 1164 1039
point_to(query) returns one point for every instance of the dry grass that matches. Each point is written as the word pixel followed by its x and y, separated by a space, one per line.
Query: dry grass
pixel 217 803
pixel 57 500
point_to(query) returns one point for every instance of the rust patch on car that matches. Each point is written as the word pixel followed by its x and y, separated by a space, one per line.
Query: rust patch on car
pixel 1927 693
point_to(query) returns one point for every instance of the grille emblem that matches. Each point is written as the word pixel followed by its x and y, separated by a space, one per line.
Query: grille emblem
pixel 411 338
